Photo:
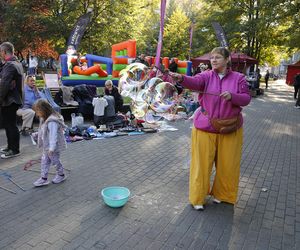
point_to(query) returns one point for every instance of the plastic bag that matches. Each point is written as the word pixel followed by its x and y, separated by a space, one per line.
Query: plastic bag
pixel 77 120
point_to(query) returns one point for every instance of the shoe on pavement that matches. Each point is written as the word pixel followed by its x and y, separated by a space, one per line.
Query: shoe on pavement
pixel 10 154
pixel 4 150
pixel 297 107
pixel 41 182
pixel 58 179
pixel 198 207
pixel 217 201
pixel 25 131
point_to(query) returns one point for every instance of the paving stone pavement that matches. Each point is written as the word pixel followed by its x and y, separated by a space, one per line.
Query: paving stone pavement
pixel 72 215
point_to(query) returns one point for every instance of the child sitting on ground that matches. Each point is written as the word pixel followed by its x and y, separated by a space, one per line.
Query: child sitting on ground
pixel 50 137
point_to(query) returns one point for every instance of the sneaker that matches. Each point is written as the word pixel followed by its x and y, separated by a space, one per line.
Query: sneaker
pixel 297 107
pixel 198 207
pixel 4 150
pixel 58 179
pixel 9 154
pixel 217 201
pixel 41 182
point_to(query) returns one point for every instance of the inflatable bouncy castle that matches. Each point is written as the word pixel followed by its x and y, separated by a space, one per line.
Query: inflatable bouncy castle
pixel 122 54
pixel 98 69
pixel 97 76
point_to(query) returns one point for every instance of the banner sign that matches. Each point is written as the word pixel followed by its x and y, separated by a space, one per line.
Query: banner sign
pixel 78 30
pixel 161 32
pixel 220 34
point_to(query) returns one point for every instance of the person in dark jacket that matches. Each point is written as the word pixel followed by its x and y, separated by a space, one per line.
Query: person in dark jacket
pixel 142 59
pixel 112 90
pixel 297 86
pixel 173 66
pixel 267 76
pixel 11 81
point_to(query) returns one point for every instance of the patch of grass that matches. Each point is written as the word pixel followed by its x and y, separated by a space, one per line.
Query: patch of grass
pixel 40 83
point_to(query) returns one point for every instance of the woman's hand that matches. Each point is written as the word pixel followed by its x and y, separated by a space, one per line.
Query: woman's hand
pixel 177 77
pixel 226 95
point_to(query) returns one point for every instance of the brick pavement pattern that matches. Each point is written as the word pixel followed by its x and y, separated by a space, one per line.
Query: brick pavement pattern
pixel 72 215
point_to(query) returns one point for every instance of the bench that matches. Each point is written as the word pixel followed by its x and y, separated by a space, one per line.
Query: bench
pixel 52 83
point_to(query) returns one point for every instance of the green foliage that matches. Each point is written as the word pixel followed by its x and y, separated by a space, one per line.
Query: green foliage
pixel 265 29
pixel 176 35
pixel 253 27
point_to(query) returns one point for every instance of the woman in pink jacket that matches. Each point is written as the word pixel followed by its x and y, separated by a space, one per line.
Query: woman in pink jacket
pixel 217 135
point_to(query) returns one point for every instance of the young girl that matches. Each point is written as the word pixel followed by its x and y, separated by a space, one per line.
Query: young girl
pixel 52 140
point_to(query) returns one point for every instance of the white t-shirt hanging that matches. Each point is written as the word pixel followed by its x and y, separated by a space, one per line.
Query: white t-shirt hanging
pixel 99 105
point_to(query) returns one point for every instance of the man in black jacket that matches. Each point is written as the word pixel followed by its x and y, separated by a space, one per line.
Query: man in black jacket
pixel 11 79
pixel 173 66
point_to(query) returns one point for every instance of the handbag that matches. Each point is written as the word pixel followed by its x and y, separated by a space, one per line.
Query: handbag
pixel 226 126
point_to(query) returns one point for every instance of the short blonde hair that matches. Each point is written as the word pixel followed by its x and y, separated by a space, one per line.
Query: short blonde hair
pixel 222 51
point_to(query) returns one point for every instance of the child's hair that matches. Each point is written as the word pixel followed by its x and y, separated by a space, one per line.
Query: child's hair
pixel 44 107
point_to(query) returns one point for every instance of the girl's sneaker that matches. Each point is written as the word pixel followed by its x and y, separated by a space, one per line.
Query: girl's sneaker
pixel 58 179
pixel 41 182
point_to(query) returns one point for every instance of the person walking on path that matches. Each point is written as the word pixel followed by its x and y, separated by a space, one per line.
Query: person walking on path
pixel 297 86
pixel 31 94
pixel 11 80
pixel 217 135
pixel 50 137
pixel 267 76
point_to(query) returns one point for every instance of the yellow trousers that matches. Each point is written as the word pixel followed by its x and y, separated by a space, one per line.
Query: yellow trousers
pixel 223 149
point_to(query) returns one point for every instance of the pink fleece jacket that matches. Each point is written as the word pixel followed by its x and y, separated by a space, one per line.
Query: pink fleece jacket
pixel 214 106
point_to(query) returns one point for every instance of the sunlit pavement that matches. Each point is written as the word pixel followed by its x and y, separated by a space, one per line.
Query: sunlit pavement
pixel 72 215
